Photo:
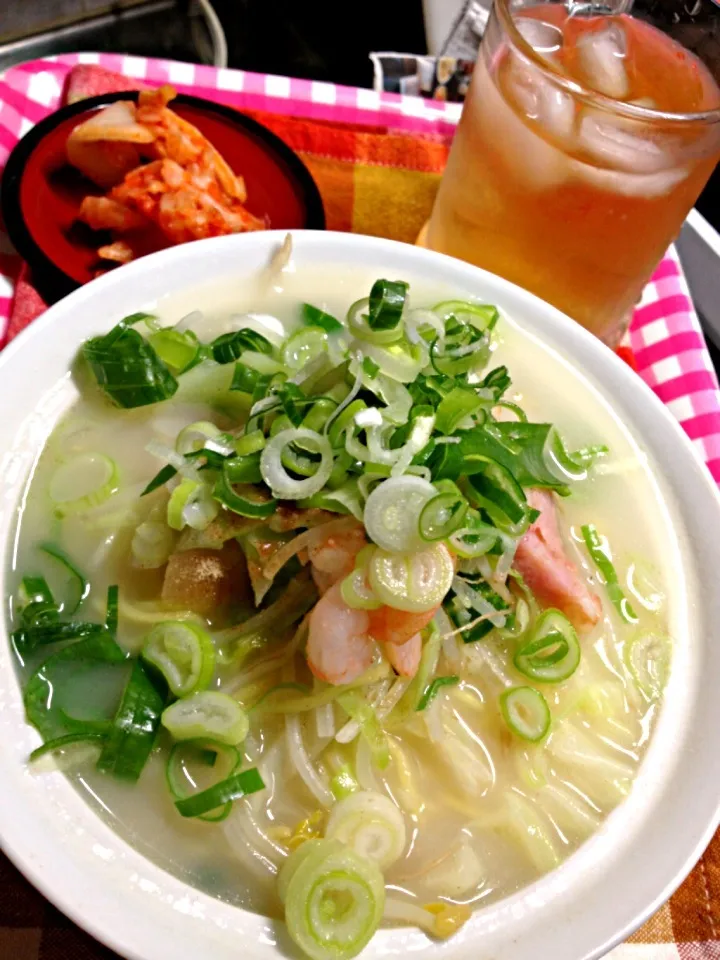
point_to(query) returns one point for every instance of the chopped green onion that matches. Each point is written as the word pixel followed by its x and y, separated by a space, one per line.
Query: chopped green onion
pixel 82 483
pixel 193 437
pixel 303 346
pixel 552 653
pixel 359 710
pixel 315 317
pixel 191 504
pixel 456 406
pixel 43 692
pixel 483 316
pixel 284 486
pixel 356 591
pixel 135 728
pixel 79 587
pixel 244 499
pixel 392 512
pixel 229 346
pixel 62 743
pixel 371 825
pixel 387 302
pixel 334 899
pixel 400 360
pixel 207 714
pixel 160 479
pixel 184 654
pixel 27 639
pixel 444 513
pixel 415 581
pixel 250 443
pixel 233 788
pixel 36 603
pixel 493 487
pixel 128 369
pixel 112 610
pixel 358 321
pixel 599 551
pixel 188 761
pixel 432 690
pixel 370 368
pixel 244 469
pixel 179 351
pixel 343 783
pixel 526 713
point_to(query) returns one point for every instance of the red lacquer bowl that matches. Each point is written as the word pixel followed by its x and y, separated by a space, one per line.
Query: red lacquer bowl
pixel 41 193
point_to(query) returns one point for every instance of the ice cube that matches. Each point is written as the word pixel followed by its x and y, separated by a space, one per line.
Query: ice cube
pixel 540 98
pixel 545 38
pixel 610 141
pixel 647 185
pixel 602 59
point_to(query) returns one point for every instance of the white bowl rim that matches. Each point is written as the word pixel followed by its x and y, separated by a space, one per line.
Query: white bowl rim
pixel 511 929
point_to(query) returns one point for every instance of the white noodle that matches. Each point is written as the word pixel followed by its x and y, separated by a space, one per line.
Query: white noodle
pixel 301 762
pixel 325 721
pixel 364 767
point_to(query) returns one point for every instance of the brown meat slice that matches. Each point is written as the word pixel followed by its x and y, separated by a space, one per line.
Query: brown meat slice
pixel 549 572
pixel 204 580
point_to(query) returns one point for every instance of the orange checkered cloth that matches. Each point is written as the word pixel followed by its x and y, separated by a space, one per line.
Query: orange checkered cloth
pixel 378 182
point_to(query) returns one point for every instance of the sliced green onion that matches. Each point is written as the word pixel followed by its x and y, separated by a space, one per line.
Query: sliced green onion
pixel 647 656
pixel 303 346
pixel 207 714
pixel 356 591
pixel 334 899
pixel 243 499
pixel 282 485
pixel 245 379
pixel 62 743
pixel 552 653
pixel 359 710
pixel 483 316
pixel 358 321
pixel 400 360
pixel 188 761
pixel 416 581
pixel 493 487
pixel 315 317
pixel 444 513
pixel 599 551
pixel 160 479
pixel 112 610
pixel 319 414
pixel 370 367
pixel 229 346
pixel 191 504
pixel 343 783
pixel 78 586
pixel 179 351
pixel 82 483
pixel 127 368
pixel 214 798
pixel 456 406
pixel 392 512
pixel 371 825
pixel 135 727
pixel 250 443
pixel 526 713
pixel 43 692
pixel 245 469
pixel 387 302
pixel 342 421
pixel 193 437
pixel 433 689
pixel 261 363
pixel 184 654
pixel 36 603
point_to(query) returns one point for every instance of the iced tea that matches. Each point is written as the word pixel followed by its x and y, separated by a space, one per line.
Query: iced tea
pixel 583 144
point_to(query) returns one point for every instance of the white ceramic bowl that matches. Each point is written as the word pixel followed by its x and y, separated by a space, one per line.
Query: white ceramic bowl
pixel 598 896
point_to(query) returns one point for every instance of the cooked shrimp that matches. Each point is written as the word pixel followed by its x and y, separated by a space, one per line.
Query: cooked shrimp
pixel 339 649
pixel 405 657
pixel 551 575
pixel 391 626
pixel 334 557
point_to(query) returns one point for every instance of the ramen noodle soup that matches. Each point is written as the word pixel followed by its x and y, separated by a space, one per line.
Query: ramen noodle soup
pixel 346 611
